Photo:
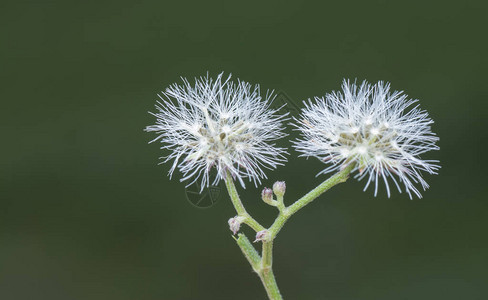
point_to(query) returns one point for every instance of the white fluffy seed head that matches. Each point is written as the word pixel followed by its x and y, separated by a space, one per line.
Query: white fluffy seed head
pixel 218 124
pixel 375 128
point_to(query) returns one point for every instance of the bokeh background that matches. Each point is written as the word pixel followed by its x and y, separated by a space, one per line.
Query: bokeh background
pixel 86 212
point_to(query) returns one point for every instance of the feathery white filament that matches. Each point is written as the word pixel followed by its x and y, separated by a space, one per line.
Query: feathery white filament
pixel 222 124
pixel 374 128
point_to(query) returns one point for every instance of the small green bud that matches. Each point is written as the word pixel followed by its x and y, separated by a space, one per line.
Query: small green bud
pixel 261 236
pixel 279 188
pixel 235 223
pixel 267 196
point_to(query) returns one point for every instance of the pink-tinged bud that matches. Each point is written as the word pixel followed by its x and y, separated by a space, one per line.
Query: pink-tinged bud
pixel 235 224
pixel 261 236
pixel 279 188
pixel 267 196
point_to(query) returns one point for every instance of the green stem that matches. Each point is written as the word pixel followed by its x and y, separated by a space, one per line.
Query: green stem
pixel 264 265
pixel 236 201
pixel 281 204
pixel 266 273
pixel 269 282
pixel 267 254
pixel 249 252
pixel 337 178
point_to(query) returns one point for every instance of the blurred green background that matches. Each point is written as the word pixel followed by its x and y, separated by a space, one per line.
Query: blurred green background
pixel 86 213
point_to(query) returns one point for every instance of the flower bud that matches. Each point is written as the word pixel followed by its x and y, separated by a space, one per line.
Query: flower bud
pixel 267 196
pixel 235 223
pixel 279 188
pixel 261 236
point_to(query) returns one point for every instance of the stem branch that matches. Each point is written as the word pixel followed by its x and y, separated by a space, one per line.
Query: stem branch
pixel 285 214
pixel 236 201
pixel 264 265
pixel 249 252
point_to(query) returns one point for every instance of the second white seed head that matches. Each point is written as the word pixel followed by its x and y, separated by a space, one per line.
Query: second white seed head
pixel 374 128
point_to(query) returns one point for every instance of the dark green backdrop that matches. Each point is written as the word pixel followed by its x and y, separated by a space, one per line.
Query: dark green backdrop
pixel 86 213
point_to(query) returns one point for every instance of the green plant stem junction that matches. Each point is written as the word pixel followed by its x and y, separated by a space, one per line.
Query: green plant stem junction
pixel 263 264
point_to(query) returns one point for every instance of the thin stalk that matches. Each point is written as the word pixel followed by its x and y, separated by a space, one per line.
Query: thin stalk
pixel 249 252
pixel 281 204
pixel 236 201
pixel 337 178
pixel 266 273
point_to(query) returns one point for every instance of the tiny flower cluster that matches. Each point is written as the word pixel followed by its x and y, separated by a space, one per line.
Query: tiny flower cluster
pixel 372 127
pixel 219 124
